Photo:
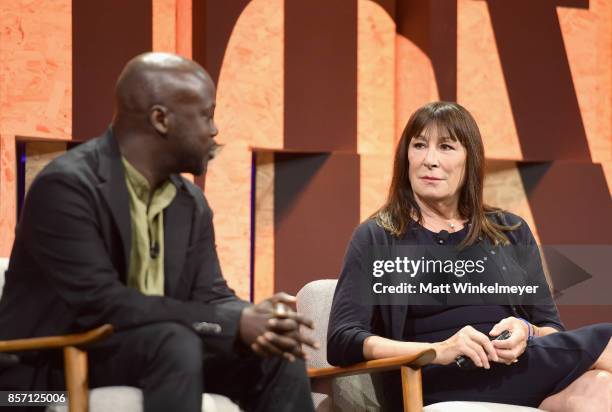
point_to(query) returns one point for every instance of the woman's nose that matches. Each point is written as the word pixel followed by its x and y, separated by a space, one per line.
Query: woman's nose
pixel 431 159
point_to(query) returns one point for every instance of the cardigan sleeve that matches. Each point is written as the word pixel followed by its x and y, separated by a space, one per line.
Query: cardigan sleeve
pixel 350 320
pixel 544 313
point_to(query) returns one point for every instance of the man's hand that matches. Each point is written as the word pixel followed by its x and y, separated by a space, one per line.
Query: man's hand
pixel 272 328
pixel 510 349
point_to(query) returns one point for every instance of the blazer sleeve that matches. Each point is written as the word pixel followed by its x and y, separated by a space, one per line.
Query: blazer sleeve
pixel 350 321
pixel 544 313
pixel 62 235
pixel 210 287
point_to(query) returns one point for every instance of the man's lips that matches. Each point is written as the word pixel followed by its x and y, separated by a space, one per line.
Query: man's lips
pixel 212 150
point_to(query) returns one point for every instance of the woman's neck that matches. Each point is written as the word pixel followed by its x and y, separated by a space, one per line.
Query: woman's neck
pixel 440 214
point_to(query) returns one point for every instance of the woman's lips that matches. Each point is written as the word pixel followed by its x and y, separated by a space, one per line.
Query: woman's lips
pixel 431 178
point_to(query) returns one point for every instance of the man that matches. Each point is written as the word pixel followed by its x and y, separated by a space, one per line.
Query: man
pixel 111 233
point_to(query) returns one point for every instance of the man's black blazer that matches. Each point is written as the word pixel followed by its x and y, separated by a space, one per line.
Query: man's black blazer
pixel 69 262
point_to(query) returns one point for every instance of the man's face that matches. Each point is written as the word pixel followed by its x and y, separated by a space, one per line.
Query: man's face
pixel 191 126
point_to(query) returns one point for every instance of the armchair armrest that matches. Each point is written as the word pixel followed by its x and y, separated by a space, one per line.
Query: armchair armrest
pixel 378 365
pixel 75 359
pixel 54 342
pixel 409 366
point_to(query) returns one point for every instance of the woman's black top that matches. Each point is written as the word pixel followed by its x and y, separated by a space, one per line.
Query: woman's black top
pixel 352 319
pixel 548 365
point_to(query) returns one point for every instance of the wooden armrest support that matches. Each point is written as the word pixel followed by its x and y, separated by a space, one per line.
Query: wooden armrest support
pixel 75 359
pixel 378 365
pixel 53 342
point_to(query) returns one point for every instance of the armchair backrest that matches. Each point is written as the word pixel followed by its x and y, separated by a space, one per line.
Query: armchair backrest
pixel 314 300
pixel 352 393
pixel 3 267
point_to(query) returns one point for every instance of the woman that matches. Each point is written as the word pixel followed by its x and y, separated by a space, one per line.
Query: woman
pixel 436 198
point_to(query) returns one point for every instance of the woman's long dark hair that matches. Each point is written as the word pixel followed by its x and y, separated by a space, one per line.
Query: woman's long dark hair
pixel 401 209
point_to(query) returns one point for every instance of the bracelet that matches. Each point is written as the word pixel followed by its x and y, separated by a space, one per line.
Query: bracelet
pixel 529 333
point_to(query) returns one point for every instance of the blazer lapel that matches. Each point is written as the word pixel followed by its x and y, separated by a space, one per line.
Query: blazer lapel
pixel 177 229
pixel 114 190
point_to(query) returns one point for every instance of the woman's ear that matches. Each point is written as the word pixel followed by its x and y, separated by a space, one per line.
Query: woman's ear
pixel 158 116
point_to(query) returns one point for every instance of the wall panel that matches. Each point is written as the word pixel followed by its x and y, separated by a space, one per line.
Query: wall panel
pixel 35 68
pixel 321 82
pixel 8 193
pixel 481 86
pixel 97 30
pixel 314 215
pixel 587 36
pixel 249 113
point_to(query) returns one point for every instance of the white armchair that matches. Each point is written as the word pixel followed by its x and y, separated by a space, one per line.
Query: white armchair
pixel 356 392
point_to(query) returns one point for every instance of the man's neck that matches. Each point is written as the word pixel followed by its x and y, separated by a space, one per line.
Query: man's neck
pixel 146 161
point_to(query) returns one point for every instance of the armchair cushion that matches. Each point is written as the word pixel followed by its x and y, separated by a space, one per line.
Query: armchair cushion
pixel 476 407
pixel 129 399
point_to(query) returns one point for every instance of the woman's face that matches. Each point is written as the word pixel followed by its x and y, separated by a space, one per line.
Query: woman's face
pixel 437 165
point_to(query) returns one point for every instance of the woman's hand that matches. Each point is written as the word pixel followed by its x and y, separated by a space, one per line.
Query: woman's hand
pixel 469 342
pixel 510 349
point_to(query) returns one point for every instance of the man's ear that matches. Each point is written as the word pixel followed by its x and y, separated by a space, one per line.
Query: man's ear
pixel 158 116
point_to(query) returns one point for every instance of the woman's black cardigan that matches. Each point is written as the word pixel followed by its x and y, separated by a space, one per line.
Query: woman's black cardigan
pixel 350 322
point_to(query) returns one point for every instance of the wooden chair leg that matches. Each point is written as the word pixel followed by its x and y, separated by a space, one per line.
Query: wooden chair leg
pixel 75 366
pixel 322 393
pixel 412 389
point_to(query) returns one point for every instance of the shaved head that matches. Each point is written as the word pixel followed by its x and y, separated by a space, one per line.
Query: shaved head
pixel 156 78
pixel 164 108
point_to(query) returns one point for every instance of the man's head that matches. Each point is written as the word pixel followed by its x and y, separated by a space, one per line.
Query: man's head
pixel 171 100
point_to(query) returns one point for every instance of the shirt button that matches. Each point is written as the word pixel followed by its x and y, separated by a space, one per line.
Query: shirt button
pixel 492 252
pixel 503 268
pixel 441 241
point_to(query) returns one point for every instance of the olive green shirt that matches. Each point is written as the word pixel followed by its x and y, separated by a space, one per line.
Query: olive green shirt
pixel 145 272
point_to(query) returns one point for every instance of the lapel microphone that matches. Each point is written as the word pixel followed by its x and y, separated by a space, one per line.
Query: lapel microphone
pixel 442 237
pixel 154 250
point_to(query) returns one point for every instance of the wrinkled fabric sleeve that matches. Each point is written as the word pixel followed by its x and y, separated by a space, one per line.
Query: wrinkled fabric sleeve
pixel 210 287
pixel 544 313
pixel 350 320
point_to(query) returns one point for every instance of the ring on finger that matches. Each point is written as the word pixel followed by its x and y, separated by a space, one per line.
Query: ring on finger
pixel 281 310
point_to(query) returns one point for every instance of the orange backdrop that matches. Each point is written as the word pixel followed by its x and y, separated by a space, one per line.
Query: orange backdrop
pixel 312 96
